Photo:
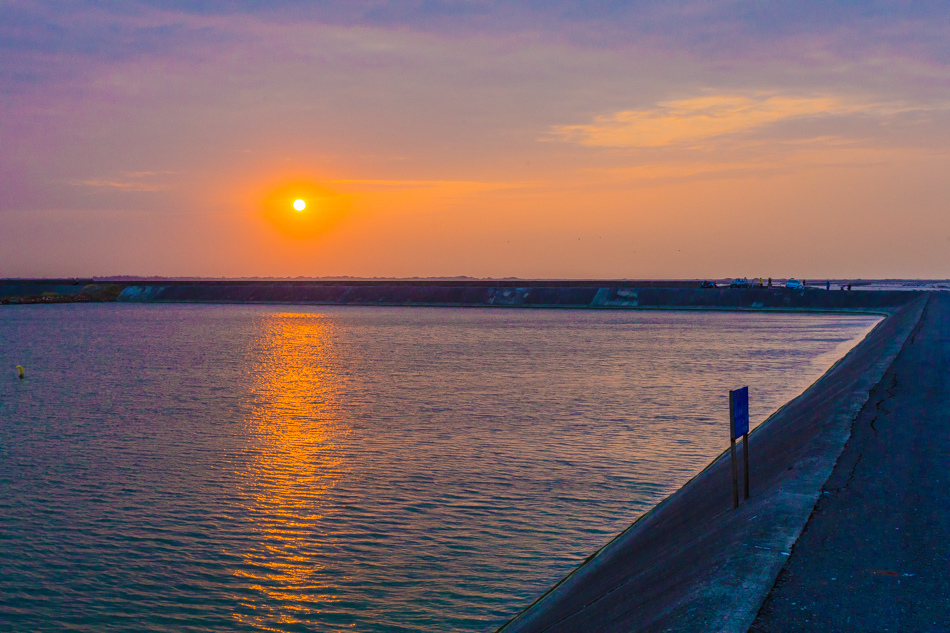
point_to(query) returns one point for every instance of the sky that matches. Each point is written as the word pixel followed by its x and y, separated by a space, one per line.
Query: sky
pixel 560 139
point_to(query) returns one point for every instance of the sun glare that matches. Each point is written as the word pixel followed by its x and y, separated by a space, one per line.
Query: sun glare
pixel 303 209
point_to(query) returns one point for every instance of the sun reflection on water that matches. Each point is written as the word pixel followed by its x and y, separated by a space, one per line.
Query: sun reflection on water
pixel 294 433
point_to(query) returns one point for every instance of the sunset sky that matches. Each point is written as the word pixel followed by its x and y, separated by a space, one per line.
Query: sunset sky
pixel 554 139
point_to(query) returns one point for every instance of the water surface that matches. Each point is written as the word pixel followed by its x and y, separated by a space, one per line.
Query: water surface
pixel 291 468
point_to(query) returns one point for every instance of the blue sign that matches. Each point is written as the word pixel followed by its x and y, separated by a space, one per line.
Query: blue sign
pixel 739 410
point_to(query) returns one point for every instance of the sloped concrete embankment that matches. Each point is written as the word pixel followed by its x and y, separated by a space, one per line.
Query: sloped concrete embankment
pixel 695 564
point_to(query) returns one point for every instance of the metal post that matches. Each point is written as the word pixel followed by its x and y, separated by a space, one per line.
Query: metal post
pixel 732 442
pixel 735 477
pixel 745 460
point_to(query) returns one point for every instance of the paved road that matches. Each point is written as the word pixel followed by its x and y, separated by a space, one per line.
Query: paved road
pixel 875 553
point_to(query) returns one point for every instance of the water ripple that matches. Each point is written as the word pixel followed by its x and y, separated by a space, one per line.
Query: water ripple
pixel 205 468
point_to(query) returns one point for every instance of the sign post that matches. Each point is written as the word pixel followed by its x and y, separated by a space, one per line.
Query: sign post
pixel 739 427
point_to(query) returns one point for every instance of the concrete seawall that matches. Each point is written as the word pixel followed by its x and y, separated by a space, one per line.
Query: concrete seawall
pixel 524 294
pixel 597 294
pixel 695 564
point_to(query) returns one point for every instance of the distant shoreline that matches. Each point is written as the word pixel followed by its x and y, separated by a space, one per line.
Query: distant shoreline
pixel 545 293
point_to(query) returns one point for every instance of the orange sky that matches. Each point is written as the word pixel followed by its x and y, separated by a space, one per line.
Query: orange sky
pixel 651 143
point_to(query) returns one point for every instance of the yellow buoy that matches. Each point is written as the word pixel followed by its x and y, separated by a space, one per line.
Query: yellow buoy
pixel 20 372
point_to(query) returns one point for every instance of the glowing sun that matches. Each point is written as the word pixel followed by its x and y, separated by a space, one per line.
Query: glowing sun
pixel 301 209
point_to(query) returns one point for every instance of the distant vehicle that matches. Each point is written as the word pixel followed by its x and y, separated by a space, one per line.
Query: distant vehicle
pixel 740 282
pixel 708 284
pixel 794 284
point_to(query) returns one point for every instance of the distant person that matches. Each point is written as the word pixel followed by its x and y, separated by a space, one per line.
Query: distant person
pixel 770 282
pixel 827 285
pixel 849 286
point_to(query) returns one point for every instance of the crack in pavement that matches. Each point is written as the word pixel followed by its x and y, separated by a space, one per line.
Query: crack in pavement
pixel 847 483
pixel 879 405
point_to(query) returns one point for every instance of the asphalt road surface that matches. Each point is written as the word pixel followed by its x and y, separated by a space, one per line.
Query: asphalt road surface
pixel 875 553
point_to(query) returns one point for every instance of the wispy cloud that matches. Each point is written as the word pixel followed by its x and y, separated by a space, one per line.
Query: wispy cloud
pixel 696 119
pixel 783 160
pixel 146 174
pixel 444 185
pixel 128 181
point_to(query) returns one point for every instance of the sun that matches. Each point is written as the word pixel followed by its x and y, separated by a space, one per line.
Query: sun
pixel 302 209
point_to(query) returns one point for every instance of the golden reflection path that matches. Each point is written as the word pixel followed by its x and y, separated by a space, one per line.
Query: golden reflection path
pixel 294 460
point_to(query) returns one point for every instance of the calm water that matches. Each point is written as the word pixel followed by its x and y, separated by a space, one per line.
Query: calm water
pixel 206 468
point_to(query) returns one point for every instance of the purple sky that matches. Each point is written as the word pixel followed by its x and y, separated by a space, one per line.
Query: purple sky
pixel 610 139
